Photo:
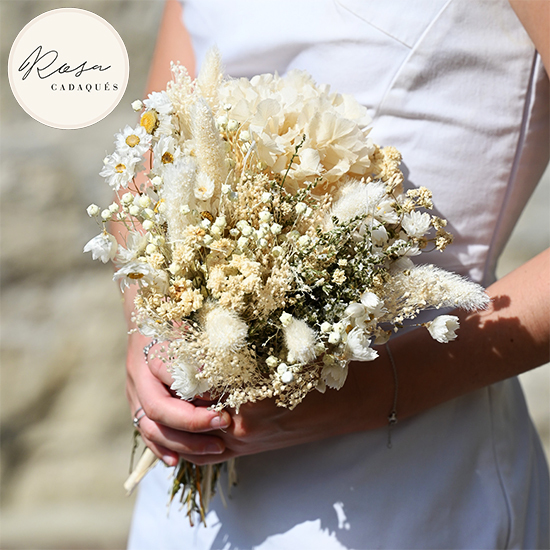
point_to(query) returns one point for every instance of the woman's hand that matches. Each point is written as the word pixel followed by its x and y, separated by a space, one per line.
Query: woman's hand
pixel 170 426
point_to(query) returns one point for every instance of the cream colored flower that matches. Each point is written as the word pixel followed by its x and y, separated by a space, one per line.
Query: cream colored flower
pixel 358 346
pixel 443 328
pixel 300 340
pixel 103 247
pixel 185 382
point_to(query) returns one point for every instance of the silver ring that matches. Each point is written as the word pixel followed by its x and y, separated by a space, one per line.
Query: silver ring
pixel 137 418
pixel 148 347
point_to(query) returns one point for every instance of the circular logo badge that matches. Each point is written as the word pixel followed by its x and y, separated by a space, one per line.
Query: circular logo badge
pixel 68 68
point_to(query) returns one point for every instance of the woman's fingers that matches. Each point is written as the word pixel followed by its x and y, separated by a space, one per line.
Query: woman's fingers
pixel 180 442
pixel 158 368
pixel 161 407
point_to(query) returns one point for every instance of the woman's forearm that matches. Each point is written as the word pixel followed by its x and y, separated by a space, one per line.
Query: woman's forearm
pixel 510 337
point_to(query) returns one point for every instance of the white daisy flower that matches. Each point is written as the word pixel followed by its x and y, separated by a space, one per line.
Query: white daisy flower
pixel 373 304
pixel 166 151
pixel 134 141
pixel 120 169
pixel 204 187
pixel 103 247
pixel 143 274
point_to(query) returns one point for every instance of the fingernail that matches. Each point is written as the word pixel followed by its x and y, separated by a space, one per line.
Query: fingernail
pixel 213 449
pixel 169 460
pixel 220 421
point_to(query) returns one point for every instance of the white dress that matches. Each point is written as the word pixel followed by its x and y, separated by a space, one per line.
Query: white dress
pixel 457 87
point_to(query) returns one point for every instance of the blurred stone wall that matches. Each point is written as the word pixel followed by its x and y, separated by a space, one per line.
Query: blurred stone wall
pixel 66 431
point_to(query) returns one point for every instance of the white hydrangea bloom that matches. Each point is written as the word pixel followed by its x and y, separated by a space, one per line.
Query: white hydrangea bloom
pixel 103 247
pixel 443 328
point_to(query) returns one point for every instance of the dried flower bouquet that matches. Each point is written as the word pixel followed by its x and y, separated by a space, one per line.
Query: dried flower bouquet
pixel 272 242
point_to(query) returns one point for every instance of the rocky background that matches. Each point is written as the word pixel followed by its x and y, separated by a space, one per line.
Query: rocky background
pixel 66 431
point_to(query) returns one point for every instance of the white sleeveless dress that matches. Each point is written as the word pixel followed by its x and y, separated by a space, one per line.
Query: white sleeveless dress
pixel 457 87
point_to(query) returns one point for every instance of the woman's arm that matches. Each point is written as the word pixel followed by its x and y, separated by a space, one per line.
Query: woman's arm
pixel 535 17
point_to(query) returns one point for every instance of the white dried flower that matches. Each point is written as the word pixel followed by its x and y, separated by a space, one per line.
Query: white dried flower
pixel 242 242
pixel 373 304
pixel 93 210
pixel 119 169
pixel 300 208
pixel 286 319
pixel 271 361
pixel 160 102
pixel 334 374
pixel 416 224
pixel 287 377
pixel 303 241
pixel 137 105
pixel 300 340
pixel 185 382
pixel 134 210
pixel 226 331
pixel 134 141
pixel 103 247
pixel 205 187
pixel 144 201
pixel 355 310
pixel 265 216
pixel 266 197
pixel 358 346
pixel 106 214
pixel 148 225
pixel 443 328
pixel 127 198
pixel 326 327
pixel 232 125
pixel 276 228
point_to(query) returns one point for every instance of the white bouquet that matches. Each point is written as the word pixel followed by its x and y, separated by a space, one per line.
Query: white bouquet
pixel 271 243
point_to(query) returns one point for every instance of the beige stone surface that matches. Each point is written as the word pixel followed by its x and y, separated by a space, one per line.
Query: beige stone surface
pixel 65 427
